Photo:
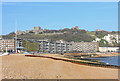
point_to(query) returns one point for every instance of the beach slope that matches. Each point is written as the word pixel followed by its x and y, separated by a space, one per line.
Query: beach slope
pixel 21 67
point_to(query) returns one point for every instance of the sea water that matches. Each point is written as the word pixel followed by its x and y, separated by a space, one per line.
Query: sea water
pixel 115 60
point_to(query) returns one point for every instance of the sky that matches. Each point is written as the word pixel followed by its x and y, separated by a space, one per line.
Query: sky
pixel 59 15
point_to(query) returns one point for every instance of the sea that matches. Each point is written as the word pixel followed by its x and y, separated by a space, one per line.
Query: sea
pixel 115 60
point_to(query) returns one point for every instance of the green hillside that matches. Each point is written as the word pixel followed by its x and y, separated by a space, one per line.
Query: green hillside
pixel 76 35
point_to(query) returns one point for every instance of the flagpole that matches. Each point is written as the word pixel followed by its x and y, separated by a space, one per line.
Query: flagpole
pixel 16 35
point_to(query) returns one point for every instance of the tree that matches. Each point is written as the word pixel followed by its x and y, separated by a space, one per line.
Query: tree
pixel 31 46
pixel 101 34
pixel 103 43
pixel 31 32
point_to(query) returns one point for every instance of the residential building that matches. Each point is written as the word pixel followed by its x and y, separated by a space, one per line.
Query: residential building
pixel 46 46
pixel 19 42
pixel 85 46
pixel 97 40
pixel 111 38
pixel 8 43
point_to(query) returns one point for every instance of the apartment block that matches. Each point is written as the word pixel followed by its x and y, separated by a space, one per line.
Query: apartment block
pixel 88 47
pixel 8 43
pixel 46 46
pixel 19 42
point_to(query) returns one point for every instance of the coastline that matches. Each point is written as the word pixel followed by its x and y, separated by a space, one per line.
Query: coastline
pixel 82 61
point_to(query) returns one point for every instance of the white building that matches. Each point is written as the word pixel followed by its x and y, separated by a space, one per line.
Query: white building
pixel 108 49
pixel 97 40
pixel 111 38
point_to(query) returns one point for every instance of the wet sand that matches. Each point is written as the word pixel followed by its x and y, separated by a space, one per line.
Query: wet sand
pixel 21 67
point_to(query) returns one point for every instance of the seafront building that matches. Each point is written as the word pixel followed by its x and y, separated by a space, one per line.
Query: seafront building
pixel 46 46
pixel 8 44
pixel 89 47
pixel 19 42
pixel 108 49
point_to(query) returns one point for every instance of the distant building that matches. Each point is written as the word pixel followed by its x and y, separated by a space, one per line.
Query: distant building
pixel 45 29
pixel 85 46
pixel 111 38
pixel 37 30
pixel 97 40
pixel 99 30
pixel 20 32
pixel 28 31
pixel 46 46
pixel 108 49
pixel 76 27
pixel 73 28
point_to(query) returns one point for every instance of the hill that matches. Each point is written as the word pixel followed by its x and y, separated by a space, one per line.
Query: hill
pixel 76 35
